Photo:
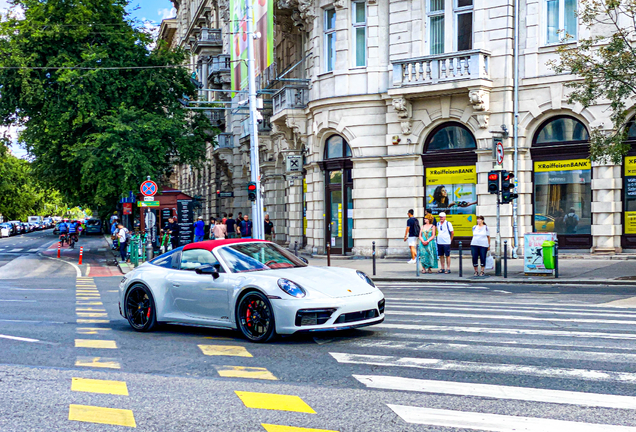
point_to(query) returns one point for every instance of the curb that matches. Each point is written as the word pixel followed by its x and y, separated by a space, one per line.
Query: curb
pixel 550 281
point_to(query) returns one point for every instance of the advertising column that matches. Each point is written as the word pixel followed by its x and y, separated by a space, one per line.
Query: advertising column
pixel 452 190
pixel 629 226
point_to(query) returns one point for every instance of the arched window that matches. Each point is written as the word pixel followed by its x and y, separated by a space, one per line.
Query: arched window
pixel 450 136
pixel 560 130
pixel 631 131
pixel 336 147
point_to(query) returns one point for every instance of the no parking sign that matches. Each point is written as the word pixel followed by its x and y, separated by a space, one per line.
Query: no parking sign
pixel 148 188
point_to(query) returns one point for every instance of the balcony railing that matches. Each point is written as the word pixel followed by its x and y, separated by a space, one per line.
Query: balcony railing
pixel 216 116
pixel 220 63
pixel 225 140
pixel 441 68
pixel 290 97
pixel 211 36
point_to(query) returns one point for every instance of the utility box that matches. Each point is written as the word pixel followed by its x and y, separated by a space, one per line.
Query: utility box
pixel 533 253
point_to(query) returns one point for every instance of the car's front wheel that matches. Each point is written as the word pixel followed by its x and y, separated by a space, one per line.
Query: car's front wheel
pixel 255 317
pixel 140 309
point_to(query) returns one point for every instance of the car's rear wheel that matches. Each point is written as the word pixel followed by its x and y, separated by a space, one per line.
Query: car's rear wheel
pixel 255 317
pixel 140 309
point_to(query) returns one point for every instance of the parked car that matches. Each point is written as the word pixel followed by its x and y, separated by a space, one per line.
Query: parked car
pixel 93 226
pixel 5 230
pixel 26 228
pixel 17 227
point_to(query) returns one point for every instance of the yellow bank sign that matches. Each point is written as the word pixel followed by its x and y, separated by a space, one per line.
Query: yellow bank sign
pixel 451 175
pixel 563 165
pixel 630 166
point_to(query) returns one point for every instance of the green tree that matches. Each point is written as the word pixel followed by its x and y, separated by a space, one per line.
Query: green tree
pixel 606 67
pixel 98 108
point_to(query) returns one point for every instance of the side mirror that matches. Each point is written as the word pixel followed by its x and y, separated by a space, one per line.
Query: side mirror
pixel 208 269
pixel 303 259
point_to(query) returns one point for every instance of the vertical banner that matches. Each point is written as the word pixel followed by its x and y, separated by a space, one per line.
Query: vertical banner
pixel 263 47
pixel 630 195
pixel 453 190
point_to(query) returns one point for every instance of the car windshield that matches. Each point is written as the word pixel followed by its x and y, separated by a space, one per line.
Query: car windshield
pixel 92 222
pixel 249 257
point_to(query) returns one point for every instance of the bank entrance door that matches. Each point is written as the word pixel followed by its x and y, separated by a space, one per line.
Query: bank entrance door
pixel 339 209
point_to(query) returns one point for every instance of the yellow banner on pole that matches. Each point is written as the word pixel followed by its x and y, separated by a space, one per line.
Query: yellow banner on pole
pixel 563 165
pixel 451 175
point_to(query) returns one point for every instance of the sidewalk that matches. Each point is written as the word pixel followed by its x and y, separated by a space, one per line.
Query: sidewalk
pixel 572 270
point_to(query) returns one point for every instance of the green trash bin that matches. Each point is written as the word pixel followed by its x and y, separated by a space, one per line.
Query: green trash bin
pixel 548 254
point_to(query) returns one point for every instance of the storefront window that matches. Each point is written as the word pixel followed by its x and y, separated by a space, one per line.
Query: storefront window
pixel 563 196
pixel 630 195
pixel 453 190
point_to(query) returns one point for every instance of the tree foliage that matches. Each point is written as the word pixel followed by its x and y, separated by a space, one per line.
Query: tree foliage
pixel 93 132
pixel 21 195
pixel 606 66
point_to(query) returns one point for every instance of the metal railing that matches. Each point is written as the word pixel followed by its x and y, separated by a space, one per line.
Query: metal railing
pixel 211 36
pixel 441 68
pixel 290 97
pixel 220 63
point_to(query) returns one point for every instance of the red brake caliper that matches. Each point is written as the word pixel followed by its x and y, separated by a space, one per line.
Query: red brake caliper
pixel 148 315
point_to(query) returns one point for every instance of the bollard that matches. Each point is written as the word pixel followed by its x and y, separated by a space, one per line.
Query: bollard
pixel 328 255
pixel 556 259
pixel 149 255
pixel 59 246
pixel 373 255
pixel 505 259
pixel 296 248
pixel 81 254
pixel 461 262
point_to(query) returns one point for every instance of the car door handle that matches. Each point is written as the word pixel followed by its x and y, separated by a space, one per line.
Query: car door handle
pixel 176 285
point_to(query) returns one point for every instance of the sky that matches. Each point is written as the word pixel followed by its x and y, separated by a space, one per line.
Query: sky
pixel 151 12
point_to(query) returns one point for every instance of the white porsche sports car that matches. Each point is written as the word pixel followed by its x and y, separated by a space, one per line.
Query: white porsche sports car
pixel 254 286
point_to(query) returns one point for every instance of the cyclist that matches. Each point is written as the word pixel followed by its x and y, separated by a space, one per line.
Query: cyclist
pixel 63 229
pixel 72 232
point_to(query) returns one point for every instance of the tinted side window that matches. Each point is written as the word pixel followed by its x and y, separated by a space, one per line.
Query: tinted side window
pixel 195 258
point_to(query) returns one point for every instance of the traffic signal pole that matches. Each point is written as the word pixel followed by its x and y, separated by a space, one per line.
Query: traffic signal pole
pixel 498 240
pixel 257 205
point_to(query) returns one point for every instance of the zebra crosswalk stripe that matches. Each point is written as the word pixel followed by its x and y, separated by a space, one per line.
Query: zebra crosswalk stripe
pixel 496 422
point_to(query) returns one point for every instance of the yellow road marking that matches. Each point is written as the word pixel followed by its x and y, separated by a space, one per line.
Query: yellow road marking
pixel 88 294
pixel 99 386
pixel 91 321
pixel 279 428
pixel 95 343
pixel 89 303
pixel 98 362
pixel 88 298
pixel 112 291
pixel 224 350
pixel 77 309
pixel 91 314
pixel 272 401
pixel 93 414
pixel 245 372
pixel 86 290
pixel 91 330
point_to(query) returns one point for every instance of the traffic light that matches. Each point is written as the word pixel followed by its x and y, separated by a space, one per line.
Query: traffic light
pixel 251 191
pixel 507 186
pixel 493 182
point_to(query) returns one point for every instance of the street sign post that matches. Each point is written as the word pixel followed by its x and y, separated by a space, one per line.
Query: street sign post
pixel 148 188
pixel 147 203
pixel 499 150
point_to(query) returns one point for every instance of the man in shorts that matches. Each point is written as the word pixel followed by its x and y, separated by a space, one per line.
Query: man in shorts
pixel 445 235
pixel 412 234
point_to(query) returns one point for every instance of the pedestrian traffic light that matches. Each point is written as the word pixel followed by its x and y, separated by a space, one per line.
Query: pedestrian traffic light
pixel 251 191
pixel 507 186
pixel 493 182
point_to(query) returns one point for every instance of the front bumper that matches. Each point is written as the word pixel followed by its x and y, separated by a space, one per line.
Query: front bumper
pixel 285 312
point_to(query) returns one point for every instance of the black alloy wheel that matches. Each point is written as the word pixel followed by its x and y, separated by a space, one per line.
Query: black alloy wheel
pixel 140 309
pixel 255 317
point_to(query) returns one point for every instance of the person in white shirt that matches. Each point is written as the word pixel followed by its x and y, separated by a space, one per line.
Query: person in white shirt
pixel 480 244
pixel 445 235
pixel 121 236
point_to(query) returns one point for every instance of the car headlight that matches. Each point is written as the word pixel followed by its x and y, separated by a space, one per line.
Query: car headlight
pixel 291 288
pixel 365 278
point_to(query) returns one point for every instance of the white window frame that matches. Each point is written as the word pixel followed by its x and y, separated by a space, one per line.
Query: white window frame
pixel 327 33
pixel 457 11
pixel 430 14
pixel 354 27
pixel 561 27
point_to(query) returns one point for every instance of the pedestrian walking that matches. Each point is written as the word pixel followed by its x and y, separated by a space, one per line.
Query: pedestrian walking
pixel 480 244
pixel 113 231
pixel 412 234
pixel 172 228
pixel 199 229
pixel 239 219
pixel 445 235
pixel 220 230
pixel 212 225
pixel 269 229
pixel 121 237
pixel 230 225
pixel 245 228
pixel 428 245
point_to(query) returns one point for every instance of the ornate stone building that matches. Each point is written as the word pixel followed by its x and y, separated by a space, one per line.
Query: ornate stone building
pixel 390 105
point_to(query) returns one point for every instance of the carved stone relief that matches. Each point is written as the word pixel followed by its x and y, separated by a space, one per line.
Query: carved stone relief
pixel 404 110
pixel 480 100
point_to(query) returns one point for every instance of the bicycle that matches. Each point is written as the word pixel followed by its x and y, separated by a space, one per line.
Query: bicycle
pixel 72 240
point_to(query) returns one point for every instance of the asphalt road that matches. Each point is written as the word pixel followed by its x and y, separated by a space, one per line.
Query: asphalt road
pixel 448 357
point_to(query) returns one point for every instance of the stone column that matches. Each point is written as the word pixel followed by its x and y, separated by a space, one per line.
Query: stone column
pixel 607 206
pixel 370 206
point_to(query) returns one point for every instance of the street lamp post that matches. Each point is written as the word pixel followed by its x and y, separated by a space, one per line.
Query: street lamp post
pixel 257 206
